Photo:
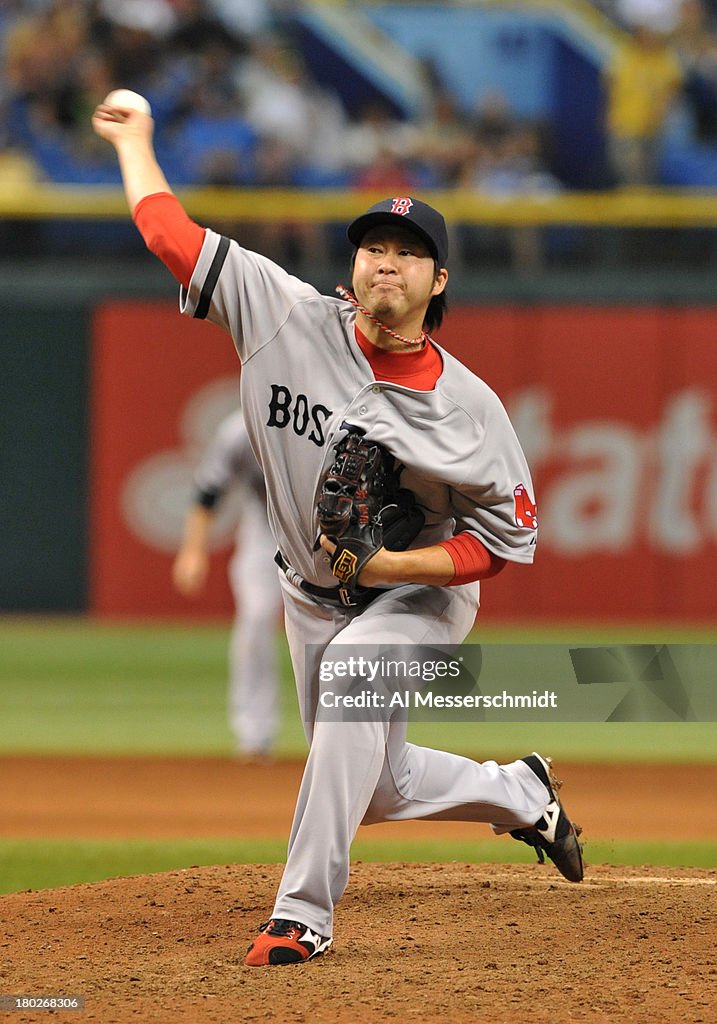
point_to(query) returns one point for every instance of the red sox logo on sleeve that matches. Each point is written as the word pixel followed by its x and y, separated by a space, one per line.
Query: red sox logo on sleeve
pixel 526 511
pixel 402 205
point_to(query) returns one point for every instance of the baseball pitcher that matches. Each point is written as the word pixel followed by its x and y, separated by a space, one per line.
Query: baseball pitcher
pixel 349 402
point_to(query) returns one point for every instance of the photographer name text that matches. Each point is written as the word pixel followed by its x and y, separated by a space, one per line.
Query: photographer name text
pixel 411 699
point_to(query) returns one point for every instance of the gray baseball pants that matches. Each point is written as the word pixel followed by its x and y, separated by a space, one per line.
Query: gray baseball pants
pixel 363 772
pixel 253 697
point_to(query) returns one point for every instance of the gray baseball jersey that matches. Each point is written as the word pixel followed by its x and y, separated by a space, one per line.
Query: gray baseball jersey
pixel 228 461
pixel 303 375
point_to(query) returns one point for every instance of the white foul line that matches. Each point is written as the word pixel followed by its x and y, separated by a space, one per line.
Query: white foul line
pixel 596 882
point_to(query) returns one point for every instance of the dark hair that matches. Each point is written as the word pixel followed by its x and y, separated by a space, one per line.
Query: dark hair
pixel 437 307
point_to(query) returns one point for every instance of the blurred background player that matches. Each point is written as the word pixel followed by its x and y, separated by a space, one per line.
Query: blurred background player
pixel 253 695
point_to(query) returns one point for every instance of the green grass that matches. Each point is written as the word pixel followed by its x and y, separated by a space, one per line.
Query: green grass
pixel 83 687
pixel 507 851
pixel 47 864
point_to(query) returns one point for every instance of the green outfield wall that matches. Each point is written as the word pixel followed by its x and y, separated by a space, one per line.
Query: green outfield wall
pixel 43 456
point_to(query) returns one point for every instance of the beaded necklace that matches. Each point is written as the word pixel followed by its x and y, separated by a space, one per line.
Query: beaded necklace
pixel 350 297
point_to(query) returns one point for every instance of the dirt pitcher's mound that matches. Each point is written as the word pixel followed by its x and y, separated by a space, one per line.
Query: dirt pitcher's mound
pixel 438 942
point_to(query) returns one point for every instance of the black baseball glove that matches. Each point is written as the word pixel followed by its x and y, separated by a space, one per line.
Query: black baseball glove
pixel 362 506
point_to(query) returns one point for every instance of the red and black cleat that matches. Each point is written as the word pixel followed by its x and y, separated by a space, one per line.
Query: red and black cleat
pixel 285 942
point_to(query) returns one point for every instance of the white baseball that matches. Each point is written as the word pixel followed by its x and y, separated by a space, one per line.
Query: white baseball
pixel 125 98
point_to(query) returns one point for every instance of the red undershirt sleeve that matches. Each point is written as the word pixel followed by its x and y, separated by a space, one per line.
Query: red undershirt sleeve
pixel 472 560
pixel 170 233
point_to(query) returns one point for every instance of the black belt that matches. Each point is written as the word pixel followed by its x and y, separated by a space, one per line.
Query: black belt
pixel 341 596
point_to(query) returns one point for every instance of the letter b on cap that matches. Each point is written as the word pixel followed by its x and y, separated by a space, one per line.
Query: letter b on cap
pixel 402 205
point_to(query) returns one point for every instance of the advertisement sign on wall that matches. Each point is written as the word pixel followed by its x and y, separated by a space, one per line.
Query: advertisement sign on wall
pixel 161 385
pixel 616 409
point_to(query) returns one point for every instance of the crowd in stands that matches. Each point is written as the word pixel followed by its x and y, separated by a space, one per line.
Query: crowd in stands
pixel 236 104
pixel 661 92
pixel 233 102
